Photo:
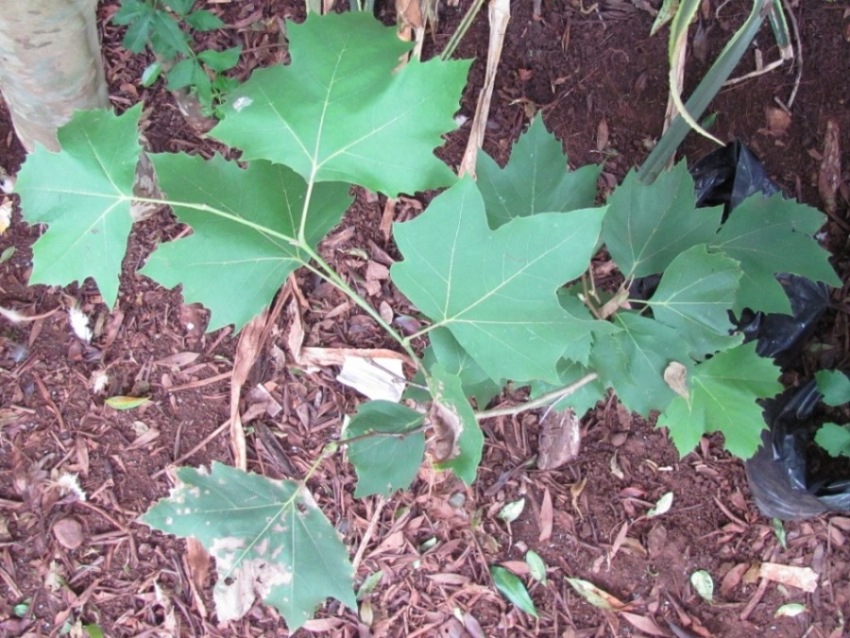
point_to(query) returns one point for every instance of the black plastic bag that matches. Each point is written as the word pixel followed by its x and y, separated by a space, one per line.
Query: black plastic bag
pixel 727 177
pixel 777 473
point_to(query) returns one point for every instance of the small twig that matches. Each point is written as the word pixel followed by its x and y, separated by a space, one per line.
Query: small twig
pixel 42 390
pixel 755 600
pixel 539 402
pixel 16 317
pixel 95 508
pixel 200 382
pixel 372 435
pixel 199 446
pixel 367 535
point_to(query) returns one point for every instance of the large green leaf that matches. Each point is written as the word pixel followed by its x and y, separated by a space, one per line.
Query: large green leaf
pixel 269 539
pixel 633 361
pixel 647 226
pixel 339 111
pixel 244 224
pixel 452 418
pixel 722 398
pixel 83 194
pixel 694 298
pixel 536 179
pixel 769 236
pixel 496 290
pixel 384 462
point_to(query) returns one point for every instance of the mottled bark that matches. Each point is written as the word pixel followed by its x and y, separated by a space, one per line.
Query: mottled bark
pixel 50 65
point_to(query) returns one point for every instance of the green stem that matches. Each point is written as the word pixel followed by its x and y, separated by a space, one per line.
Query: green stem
pixel 540 402
pixel 204 208
pixel 326 272
pixel 394 435
pixel 704 93
pixel 461 30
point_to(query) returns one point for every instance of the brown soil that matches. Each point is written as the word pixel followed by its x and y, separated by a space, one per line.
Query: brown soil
pixel 601 84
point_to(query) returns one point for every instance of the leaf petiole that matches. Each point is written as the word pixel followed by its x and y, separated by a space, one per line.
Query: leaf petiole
pixel 542 401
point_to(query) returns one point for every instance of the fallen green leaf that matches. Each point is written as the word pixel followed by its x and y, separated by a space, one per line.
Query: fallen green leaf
pixel 512 588
pixel 126 403
pixel 536 566
pixel 269 540
pixel 662 506
pixel 703 584
pixel 511 511
pixel 790 610
pixel 596 596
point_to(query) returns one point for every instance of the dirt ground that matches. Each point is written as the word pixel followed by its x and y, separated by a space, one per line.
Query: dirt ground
pixel 600 81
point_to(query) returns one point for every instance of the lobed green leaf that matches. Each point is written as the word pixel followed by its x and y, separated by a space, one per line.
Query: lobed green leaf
pixel 536 179
pixel 722 398
pixel 203 20
pixel 385 463
pixel 768 236
pixel 220 61
pixel 83 194
pixel 648 226
pixel 834 385
pixel 496 290
pixel 269 539
pixel 834 438
pixel 245 223
pixel 694 298
pixel 633 360
pixel 341 112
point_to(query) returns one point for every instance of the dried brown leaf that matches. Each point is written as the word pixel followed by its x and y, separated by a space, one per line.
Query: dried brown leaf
pixel 197 562
pixel 69 533
pixel 778 120
pixel 829 176
pixel 499 14
pixel 656 541
pixel 247 351
pixel 804 578
pixel 602 135
pixel 447 427
pixel 676 378
pixel 643 623
pixel 546 518
pixel 409 13
pixel 732 578
pixel 560 439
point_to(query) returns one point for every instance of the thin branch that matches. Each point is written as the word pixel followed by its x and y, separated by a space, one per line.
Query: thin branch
pixel 541 401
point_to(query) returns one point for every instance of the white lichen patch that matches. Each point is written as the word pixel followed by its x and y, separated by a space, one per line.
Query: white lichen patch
pixel 237 589
pixel 225 551
pixel 242 102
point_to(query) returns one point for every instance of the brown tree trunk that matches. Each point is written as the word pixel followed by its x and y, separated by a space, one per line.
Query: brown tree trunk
pixel 50 65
